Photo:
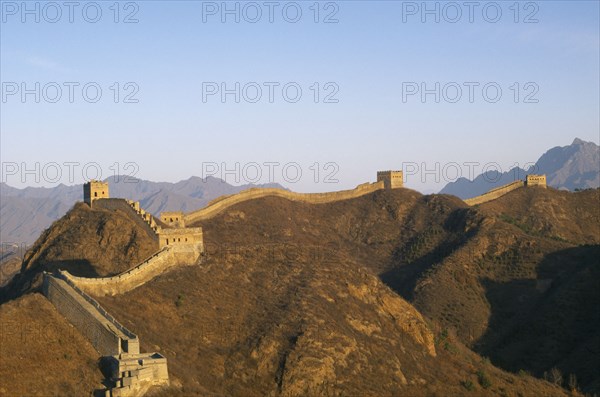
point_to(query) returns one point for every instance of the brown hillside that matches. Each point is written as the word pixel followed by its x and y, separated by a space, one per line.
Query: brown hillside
pixel 245 325
pixel 519 284
pixel 292 300
pixel 8 268
pixel 555 214
pixel 285 305
pixel 86 242
pixel 42 354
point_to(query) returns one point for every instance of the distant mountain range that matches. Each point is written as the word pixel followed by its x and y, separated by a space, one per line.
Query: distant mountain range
pixel 576 166
pixel 25 213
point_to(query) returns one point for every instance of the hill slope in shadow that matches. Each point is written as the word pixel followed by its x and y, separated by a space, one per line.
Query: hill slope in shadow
pixel 379 295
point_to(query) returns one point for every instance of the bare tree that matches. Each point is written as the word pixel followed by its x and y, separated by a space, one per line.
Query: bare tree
pixel 556 376
pixel 572 382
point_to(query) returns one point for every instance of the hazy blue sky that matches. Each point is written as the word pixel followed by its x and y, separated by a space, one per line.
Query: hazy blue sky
pixel 366 61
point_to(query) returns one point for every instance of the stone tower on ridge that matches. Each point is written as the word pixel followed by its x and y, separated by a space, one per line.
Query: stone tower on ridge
pixel 536 180
pixel 391 179
pixel 94 190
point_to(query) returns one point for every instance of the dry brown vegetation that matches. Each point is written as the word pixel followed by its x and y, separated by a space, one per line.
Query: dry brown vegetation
pixel 300 299
pixel 42 354
pixel 87 243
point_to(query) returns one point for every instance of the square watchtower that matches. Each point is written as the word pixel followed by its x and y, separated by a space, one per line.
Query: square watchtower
pixel 174 219
pixel 94 190
pixel 391 179
pixel 536 180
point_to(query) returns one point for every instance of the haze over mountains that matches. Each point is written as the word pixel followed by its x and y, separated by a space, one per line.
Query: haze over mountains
pixel 576 166
pixel 25 213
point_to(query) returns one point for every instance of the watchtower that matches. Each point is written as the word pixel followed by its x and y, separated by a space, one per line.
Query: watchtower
pixel 94 190
pixel 391 179
pixel 536 180
pixel 174 219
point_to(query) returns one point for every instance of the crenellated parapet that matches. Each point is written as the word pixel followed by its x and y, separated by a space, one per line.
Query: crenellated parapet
pixel 181 236
pixel 391 179
pixel 107 335
pixel 132 372
pixel 535 180
pixel 95 190
pixel 173 218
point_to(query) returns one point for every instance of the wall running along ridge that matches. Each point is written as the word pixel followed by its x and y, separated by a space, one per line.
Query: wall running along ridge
pixel 107 336
pixel 157 264
pixel 530 181
pixel 217 206
pixel 495 193
pixel 132 372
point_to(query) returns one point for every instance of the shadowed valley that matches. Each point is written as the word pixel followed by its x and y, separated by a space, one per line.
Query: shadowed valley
pixel 389 293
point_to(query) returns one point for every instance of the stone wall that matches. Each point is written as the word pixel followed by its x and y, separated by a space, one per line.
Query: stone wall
pixel 181 236
pixel 220 205
pixel 158 263
pixel 391 179
pixel 94 190
pixel 102 330
pixel 173 218
pixel 495 193
pixel 531 180
pixel 134 374
pixel 536 180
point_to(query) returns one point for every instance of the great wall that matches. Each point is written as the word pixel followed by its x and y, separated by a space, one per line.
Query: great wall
pixel 219 205
pixel 133 373
pixel 531 180
pixel 158 263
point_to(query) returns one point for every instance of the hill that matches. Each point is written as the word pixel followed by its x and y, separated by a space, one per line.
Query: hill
pixel 378 295
pixel 283 307
pixel 11 257
pixel 515 277
pixel 576 166
pixel 25 213
pixel 42 354
pixel 86 242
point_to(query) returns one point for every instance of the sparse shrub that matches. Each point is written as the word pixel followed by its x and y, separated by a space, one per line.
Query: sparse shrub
pixel 558 238
pixel 442 337
pixel 179 300
pixel 467 384
pixel 483 379
pixel 555 376
pixel 450 347
pixel 522 373
pixel 573 382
